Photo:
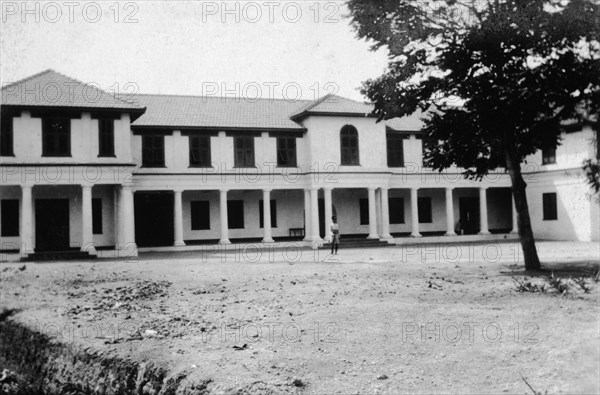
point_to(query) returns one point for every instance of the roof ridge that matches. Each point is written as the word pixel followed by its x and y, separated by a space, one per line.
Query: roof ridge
pixel 25 79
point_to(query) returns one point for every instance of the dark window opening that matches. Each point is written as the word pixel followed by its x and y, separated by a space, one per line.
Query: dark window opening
pixel 364 211
pixel 235 214
pixel 10 217
pixel 396 207
pixel 97 216
pixel 6 136
pixel 153 150
pixel 200 151
pixel 286 151
pixel 106 134
pixel 349 145
pixel 56 137
pixel 549 206
pixel 200 212
pixel 548 155
pixel 395 150
pixel 424 210
pixel 273 213
pixel 243 151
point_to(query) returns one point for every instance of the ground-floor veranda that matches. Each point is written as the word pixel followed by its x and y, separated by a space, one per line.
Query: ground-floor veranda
pixel 119 217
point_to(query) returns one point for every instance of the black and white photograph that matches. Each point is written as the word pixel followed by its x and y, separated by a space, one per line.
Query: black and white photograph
pixel 300 197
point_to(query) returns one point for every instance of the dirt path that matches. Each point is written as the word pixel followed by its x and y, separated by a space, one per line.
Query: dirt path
pixel 415 319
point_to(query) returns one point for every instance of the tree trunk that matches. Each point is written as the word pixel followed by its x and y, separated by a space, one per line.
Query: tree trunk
pixel 513 164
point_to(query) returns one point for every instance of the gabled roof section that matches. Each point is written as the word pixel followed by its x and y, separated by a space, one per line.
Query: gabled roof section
pixel 224 113
pixel 334 105
pixel 52 89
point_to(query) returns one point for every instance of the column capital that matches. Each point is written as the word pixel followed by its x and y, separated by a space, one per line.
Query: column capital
pixel 26 186
pixel 484 186
pixel 384 188
pixel 450 188
pixel 328 188
pixel 223 190
pixel 86 185
pixel 414 188
pixel 314 188
pixel 267 190
pixel 372 188
pixel 178 190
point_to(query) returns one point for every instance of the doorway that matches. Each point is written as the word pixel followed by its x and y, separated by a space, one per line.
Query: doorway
pixel 52 225
pixel 469 214
pixel 154 219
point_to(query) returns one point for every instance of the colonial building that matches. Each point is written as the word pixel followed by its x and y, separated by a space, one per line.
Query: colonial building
pixel 81 168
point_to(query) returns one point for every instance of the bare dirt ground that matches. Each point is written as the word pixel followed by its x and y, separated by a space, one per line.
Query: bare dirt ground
pixel 429 319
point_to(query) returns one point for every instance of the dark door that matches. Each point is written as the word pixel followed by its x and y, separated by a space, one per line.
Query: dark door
pixel 154 219
pixel 322 219
pixel 52 224
pixel 469 214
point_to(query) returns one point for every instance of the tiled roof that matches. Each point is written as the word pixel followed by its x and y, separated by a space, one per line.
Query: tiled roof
pixel 409 123
pixel 52 89
pixel 332 104
pixel 217 112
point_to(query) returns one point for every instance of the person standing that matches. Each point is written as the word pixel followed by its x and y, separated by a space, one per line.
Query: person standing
pixel 334 228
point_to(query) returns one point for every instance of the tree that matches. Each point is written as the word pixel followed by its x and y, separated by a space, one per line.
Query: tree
pixel 496 79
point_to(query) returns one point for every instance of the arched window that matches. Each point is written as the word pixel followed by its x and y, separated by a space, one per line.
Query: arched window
pixel 349 145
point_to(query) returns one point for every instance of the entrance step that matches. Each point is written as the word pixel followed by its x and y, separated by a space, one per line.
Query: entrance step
pixel 358 243
pixel 71 255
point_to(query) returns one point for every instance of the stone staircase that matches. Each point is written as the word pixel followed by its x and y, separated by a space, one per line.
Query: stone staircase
pixel 69 255
pixel 358 242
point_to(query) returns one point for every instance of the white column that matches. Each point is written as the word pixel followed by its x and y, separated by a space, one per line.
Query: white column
pixel 378 212
pixel 224 223
pixel 449 213
pixel 127 217
pixel 414 211
pixel 26 220
pixel 515 223
pixel 328 210
pixel 385 215
pixel 483 214
pixel 314 221
pixel 307 215
pixel 178 216
pixel 267 216
pixel 372 215
pixel 87 236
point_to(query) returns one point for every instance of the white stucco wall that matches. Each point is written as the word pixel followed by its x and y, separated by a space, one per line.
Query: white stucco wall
pixel 27 136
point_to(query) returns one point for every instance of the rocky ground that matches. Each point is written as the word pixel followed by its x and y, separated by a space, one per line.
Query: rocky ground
pixel 429 319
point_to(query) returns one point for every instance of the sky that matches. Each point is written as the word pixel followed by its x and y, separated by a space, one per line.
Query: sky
pixel 280 49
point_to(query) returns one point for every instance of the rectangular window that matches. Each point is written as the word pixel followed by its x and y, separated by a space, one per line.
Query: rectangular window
pixel 6 136
pixel 243 147
pixel 200 211
pixel 106 137
pixel 273 213
pixel 424 210
pixel 286 151
pixel 10 217
pixel 396 206
pixel 395 150
pixel 200 151
pixel 235 214
pixel 548 155
pixel 56 137
pixel 364 211
pixel 153 150
pixel 549 206
pixel 97 216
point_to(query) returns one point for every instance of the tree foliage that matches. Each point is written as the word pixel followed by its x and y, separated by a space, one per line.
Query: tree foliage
pixel 497 78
